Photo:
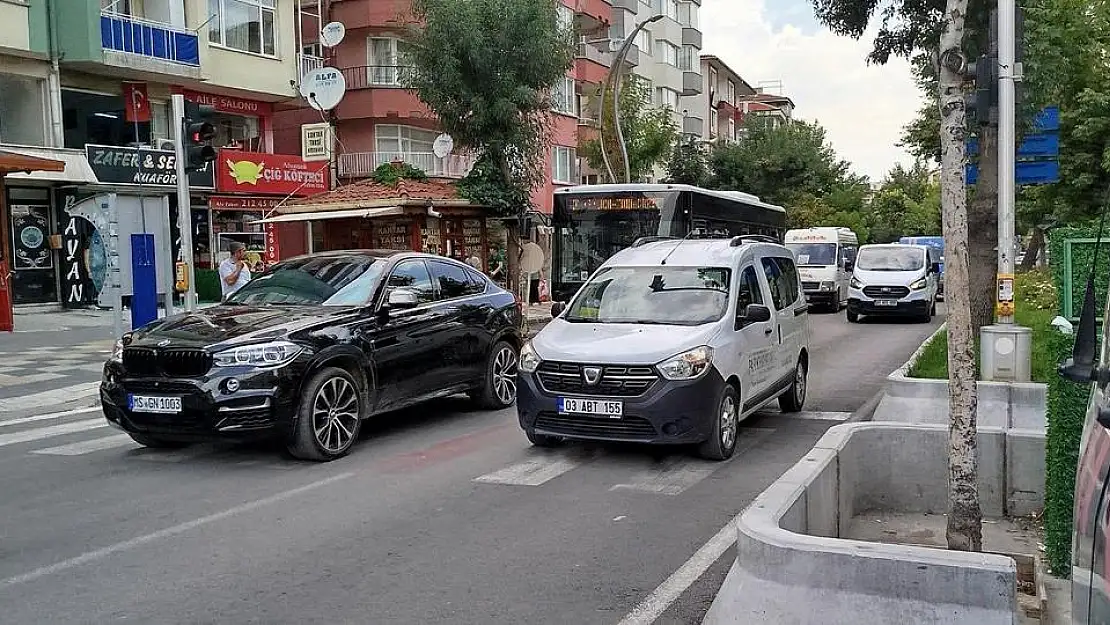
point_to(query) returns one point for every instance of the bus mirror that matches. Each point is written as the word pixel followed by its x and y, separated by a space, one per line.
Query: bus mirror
pixel 557 309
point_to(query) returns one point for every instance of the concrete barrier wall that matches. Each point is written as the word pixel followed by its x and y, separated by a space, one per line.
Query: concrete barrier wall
pixel 1016 405
pixel 791 568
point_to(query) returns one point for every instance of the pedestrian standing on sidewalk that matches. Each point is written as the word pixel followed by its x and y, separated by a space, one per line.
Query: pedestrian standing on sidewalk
pixel 234 273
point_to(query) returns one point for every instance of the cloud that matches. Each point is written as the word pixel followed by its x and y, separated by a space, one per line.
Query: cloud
pixel 862 107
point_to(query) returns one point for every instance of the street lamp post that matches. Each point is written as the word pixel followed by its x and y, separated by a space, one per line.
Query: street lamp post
pixel 614 76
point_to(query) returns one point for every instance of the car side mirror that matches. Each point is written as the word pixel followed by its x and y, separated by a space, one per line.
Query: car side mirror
pixel 753 313
pixel 401 299
pixel 557 309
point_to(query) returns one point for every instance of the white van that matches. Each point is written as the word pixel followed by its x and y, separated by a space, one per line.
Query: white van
pixel 670 342
pixel 894 280
pixel 825 257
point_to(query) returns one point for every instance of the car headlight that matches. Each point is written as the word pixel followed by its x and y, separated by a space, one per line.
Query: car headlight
pixel 687 365
pixel 919 284
pixel 274 354
pixel 856 284
pixel 117 352
pixel 827 286
pixel 529 359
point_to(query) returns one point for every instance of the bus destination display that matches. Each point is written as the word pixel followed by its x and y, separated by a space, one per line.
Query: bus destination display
pixel 612 203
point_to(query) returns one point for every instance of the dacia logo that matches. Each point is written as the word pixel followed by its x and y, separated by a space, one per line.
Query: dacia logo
pixel 591 375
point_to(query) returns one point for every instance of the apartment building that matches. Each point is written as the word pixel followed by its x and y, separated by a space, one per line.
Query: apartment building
pixel 727 100
pixel 88 82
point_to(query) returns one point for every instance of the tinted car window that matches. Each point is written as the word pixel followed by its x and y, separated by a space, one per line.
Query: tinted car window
pixel 748 291
pixel 413 274
pixel 477 282
pixel 656 295
pixel 782 278
pixel 313 281
pixel 453 280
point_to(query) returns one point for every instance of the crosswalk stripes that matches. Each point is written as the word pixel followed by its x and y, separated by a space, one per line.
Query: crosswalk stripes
pixel 27 436
pixel 538 470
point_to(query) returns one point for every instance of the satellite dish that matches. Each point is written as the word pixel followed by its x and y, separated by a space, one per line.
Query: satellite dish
pixel 443 145
pixel 531 259
pixel 323 88
pixel 332 34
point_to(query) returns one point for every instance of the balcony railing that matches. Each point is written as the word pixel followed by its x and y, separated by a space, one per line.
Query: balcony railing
pixel 365 76
pixel 361 164
pixel 309 63
pixel 147 38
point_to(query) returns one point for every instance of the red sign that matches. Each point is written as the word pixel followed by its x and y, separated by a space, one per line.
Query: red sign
pixel 230 104
pixel 242 203
pixel 269 174
pixel 273 254
pixel 136 104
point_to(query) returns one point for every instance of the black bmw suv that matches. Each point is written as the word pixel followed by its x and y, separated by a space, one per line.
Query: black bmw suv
pixel 311 348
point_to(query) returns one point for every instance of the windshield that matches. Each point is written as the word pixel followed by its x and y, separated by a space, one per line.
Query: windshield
pixel 319 281
pixel 890 259
pixel 685 296
pixel 820 254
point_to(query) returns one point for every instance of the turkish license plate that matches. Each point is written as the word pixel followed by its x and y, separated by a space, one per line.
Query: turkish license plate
pixel 157 405
pixel 607 408
pixel 886 302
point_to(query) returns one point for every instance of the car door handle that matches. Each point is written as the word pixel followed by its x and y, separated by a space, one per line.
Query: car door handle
pixel 768 330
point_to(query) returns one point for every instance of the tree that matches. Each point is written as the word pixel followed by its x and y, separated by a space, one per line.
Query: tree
pixel 912 29
pixel 965 518
pixel 779 162
pixel 907 203
pixel 485 68
pixel 649 132
pixel 688 164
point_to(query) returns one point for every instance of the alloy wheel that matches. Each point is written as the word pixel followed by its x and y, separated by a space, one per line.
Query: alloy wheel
pixel 800 383
pixel 504 375
pixel 729 422
pixel 335 414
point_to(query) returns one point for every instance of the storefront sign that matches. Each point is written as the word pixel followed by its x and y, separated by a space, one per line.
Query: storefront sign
pixel 242 203
pixel 140 166
pixel 230 104
pixel 30 226
pixel 277 174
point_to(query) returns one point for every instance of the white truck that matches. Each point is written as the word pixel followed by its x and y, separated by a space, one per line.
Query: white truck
pixel 825 258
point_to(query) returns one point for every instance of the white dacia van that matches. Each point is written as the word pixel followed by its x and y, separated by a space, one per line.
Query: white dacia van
pixel 670 342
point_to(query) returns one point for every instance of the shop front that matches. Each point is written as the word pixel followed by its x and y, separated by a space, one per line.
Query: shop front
pixel 240 123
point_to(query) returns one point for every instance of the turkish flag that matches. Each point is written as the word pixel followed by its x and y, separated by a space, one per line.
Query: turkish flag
pixel 136 104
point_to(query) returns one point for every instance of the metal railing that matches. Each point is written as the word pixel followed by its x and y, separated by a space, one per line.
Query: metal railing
pixel 309 63
pixel 148 38
pixel 359 164
pixel 366 76
pixel 589 52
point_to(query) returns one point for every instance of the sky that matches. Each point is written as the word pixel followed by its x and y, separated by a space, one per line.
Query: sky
pixel 862 107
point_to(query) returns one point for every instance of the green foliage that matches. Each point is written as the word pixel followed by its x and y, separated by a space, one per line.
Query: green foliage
pixel 688 164
pixel 649 132
pixel 486 185
pixel 907 204
pixel 778 163
pixel 207 283
pixel 1082 258
pixel 390 174
pixel 485 67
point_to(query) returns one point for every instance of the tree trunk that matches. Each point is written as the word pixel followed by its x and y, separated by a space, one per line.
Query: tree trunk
pixel 965 531
pixel 982 225
pixel 1036 243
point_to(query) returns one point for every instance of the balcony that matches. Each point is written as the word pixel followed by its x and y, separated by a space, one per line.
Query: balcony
pixel 363 164
pixel 146 45
pixel 692 126
pixel 367 76
pixel 591 15
pixel 309 63
pixel 691 37
pixel 627 5
pixel 691 83
pixel 592 65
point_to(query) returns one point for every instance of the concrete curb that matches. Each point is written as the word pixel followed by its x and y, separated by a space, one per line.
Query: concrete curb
pixel 792 567
pixel 1008 405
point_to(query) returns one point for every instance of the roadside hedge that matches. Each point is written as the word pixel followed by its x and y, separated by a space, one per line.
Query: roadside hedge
pixel 1067 401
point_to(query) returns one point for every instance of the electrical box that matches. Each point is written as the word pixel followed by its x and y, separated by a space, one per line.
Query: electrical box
pixel 1005 353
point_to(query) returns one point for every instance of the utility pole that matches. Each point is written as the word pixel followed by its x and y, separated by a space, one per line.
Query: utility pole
pixel 184 210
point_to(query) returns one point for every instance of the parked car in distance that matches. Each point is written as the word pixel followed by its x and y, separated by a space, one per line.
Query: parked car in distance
pixel 313 347
pixel 825 258
pixel 670 342
pixel 893 280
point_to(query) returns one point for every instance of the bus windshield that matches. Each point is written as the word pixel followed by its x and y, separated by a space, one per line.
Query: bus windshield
pixel 814 254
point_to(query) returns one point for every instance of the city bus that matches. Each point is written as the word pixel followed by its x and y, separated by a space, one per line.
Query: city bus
pixel 593 222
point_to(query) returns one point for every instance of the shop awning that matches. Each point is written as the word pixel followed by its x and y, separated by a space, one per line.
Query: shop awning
pixel 12 161
pixel 360 213
pixel 73 166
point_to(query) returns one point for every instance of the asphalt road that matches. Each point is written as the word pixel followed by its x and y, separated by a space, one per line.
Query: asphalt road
pixel 441 515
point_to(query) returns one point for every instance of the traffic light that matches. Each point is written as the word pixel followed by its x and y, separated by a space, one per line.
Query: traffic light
pixel 982 105
pixel 197 132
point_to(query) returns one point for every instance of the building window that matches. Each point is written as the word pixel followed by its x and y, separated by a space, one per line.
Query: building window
pixel 246 25
pixel 666 52
pixel 565 17
pixel 400 140
pixel 688 14
pixel 563 165
pixel 689 59
pixel 643 41
pixel 22 106
pixel 732 93
pixel 383 55
pixel 732 129
pixel 563 97
pixel 666 97
pixel 668 8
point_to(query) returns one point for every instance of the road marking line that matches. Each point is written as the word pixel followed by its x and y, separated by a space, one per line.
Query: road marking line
pixel 672 588
pixel 50 431
pixel 98 554
pixel 675 475
pixel 62 395
pixel 49 416
pixel 533 472
pixel 87 447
